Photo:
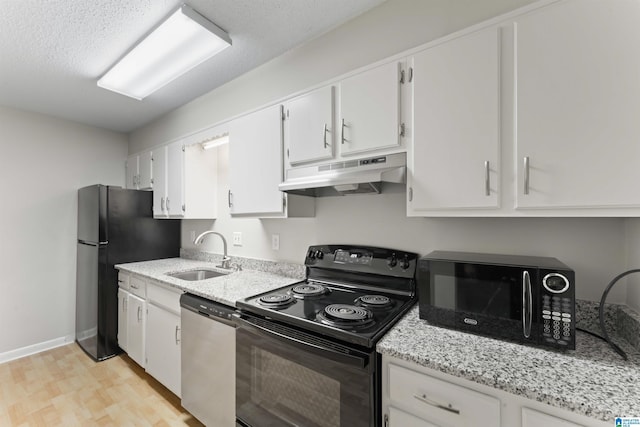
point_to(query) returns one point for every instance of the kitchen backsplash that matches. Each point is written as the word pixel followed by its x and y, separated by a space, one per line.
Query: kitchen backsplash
pixel 282 268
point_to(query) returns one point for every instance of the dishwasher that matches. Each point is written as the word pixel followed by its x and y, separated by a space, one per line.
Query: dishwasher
pixel 208 360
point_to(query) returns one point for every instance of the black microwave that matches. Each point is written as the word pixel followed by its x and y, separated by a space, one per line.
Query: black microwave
pixel 530 300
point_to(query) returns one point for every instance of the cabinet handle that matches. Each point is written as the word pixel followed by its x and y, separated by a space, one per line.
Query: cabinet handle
pixel 487 182
pixel 447 407
pixel 229 198
pixel 162 204
pixel 324 136
pixel 177 340
pixel 139 314
pixel 124 305
pixel 343 126
pixel 134 286
pixel 526 175
pixel 168 204
pixel 386 420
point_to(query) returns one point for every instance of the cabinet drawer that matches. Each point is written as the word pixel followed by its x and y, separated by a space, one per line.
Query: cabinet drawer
pixel 533 418
pixel 440 402
pixel 164 297
pixel 123 280
pixel 138 287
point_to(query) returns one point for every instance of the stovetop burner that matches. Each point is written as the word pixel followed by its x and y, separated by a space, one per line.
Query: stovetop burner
pixel 304 290
pixel 344 315
pixel 275 300
pixel 374 301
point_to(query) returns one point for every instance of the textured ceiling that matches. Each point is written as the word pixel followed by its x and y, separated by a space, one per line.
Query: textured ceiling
pixel 53 51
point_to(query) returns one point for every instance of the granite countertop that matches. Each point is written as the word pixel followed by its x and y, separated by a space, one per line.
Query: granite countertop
pixel 225 289
pixel 592 380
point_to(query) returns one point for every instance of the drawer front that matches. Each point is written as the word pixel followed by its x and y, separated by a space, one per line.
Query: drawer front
pixel 138 287
pixel 440 402
pixel 533 418
pixel 123 280
pixel 164 297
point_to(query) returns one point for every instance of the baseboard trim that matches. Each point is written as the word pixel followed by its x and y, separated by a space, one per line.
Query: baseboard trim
pixel 35 348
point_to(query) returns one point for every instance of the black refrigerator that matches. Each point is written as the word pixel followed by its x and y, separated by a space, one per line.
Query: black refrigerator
pixel 115 226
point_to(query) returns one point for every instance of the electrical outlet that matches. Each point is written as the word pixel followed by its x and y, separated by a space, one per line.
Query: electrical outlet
pixel 275 242
pixel 192 235
pixel 237 238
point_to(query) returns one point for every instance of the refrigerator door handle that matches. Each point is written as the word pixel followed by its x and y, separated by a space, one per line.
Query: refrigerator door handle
pixel 86 242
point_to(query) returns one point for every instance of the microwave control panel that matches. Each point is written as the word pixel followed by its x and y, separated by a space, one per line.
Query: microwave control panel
pixel 558 310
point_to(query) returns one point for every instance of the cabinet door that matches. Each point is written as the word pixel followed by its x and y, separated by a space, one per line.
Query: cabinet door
pixel 160 182
pixel 163 347
pixel 532 418
pixel 398 418
pixel 456 93
pixel 175 179
pixel 145 170
pixel 136 315
pixel 310 131
pixel 255 163
pixel 122 318
pixel 577 127
pixel 131 172
pixel 370 110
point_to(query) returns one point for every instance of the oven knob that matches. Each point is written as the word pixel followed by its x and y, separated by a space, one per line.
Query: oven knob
pixel 311 254
pixel 404 264
pixel 393 261
pixel 319 254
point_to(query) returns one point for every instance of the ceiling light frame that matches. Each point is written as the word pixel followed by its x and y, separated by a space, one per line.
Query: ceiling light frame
pixel 181 42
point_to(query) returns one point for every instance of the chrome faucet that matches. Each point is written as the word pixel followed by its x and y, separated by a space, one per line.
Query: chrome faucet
pixel 225 258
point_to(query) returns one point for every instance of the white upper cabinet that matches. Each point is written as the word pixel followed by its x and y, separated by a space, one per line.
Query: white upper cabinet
pixel 255 158
pixel 577 85
pixel 370 110
pixel 185 183
pixel 139 171
pixel 455 161
pixel 309 128
pixel 256 168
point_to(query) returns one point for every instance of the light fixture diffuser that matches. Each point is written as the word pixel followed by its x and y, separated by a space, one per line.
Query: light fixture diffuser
pixel 215 141
pixel 183 41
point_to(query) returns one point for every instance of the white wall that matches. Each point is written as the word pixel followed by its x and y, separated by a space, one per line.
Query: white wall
pixel 43 162
pixel 595 248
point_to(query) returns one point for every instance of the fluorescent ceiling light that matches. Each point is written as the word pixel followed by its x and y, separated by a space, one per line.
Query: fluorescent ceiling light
pixel 216 141
pixel 183 41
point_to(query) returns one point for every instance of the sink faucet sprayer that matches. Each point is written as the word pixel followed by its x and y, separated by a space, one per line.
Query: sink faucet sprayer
pixel 225 258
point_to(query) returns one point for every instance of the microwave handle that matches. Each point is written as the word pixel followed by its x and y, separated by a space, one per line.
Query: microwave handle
pixel 527 301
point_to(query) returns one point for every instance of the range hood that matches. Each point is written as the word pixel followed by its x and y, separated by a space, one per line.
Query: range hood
pixel 354 176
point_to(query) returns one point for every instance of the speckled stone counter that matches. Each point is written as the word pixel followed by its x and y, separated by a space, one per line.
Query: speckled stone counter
pixel 225 289
pixel 592 380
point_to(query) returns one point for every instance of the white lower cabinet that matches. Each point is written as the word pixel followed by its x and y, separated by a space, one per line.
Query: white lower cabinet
pixel 163 347
pixel 532 418
pixel 149 328
pixel 415 396
pixel 438 402
pixel 136 316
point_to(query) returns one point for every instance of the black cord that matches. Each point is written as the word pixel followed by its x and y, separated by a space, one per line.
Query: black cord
pixel 591 333
pixel 601 311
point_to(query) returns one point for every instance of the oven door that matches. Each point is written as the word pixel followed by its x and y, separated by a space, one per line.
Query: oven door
pixel 288 378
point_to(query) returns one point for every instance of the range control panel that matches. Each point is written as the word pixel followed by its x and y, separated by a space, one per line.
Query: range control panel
pixel 363 259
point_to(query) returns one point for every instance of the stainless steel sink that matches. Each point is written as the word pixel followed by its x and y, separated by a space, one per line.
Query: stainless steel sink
pixel 193 275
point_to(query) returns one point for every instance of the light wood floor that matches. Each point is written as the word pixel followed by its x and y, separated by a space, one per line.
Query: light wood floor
pixel 65 387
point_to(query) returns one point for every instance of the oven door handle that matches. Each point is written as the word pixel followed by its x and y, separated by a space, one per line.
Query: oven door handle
pixel 348 359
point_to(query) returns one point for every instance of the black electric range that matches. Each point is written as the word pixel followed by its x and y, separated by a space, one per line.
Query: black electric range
pixel 351 293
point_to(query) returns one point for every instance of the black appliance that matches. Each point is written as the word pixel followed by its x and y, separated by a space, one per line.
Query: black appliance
pixel 530 300
pixel 305 353
pixel 114 226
